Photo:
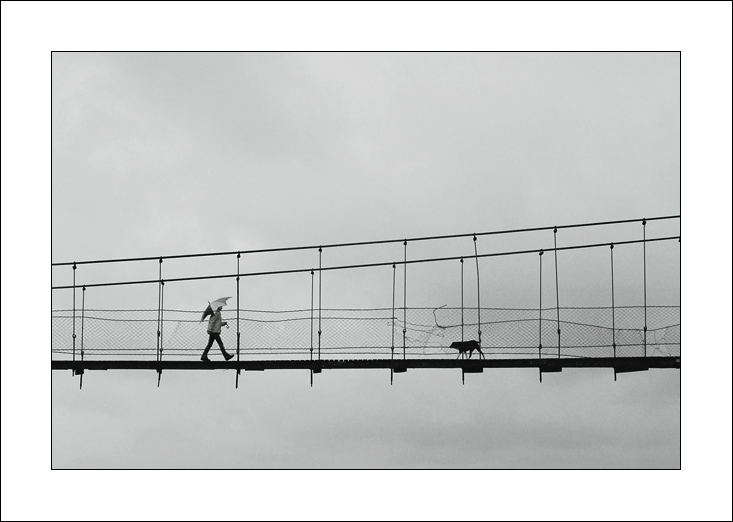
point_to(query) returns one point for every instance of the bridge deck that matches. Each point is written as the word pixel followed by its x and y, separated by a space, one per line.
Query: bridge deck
pixel 621 364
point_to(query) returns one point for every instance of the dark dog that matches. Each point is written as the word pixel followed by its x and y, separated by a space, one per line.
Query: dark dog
pixel 467 346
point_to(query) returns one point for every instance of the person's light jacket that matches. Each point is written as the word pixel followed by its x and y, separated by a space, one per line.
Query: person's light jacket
pixel 215 324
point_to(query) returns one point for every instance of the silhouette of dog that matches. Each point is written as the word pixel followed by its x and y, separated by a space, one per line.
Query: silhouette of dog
pixel 467 346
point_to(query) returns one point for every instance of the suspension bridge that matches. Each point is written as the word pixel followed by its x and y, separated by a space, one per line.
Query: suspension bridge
pixel 548 337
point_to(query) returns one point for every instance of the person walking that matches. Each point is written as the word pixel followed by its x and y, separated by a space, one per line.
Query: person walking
pixel 214 329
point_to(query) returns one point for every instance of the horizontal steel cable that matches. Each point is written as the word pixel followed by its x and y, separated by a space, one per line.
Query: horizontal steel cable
pixel 363 243
pixel 371 265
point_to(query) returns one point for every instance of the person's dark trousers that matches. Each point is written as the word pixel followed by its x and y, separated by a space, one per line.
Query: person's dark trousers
pixel 215 337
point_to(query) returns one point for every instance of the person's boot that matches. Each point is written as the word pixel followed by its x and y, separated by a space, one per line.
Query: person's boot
pixel 228 356
pixel 205 357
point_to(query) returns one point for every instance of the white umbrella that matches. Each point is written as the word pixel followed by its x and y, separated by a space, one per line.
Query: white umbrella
pixel 213 305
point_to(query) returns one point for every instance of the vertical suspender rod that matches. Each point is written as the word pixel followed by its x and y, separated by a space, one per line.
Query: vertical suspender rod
pixel 462 320
pixel 613 314
pixel 540 348
pixel 320 250
pixel 159 347
pixel 557 295
pixel 311 350
pixel 478 289
pixel 394 320
pixel 81 372
pixel 643 224
pixel 312 292
pixel 613 306
pixel 73 331
pixel 162 308
pixel 540 342
pixel 83 293
pixel 160 287
pixel 236 384
pixel 404 308
pixel 394 277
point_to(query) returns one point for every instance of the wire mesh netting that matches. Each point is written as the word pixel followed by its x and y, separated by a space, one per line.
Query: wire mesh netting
pixel 372 333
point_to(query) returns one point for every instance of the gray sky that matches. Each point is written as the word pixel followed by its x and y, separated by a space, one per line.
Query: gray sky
pixel 160 154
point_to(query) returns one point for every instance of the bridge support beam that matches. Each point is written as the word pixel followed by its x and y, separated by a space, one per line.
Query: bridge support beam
pixel 621 364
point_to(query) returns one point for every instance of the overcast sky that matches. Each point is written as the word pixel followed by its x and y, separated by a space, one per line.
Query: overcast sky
pixel 173 153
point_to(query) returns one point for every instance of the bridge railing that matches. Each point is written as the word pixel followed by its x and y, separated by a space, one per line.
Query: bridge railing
pixel 397 332
pixel 368 333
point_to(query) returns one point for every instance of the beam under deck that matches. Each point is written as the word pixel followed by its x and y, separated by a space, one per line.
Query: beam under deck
pixel 621 364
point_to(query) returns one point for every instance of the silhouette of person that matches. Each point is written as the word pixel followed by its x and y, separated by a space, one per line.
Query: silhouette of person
pixel 214 329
